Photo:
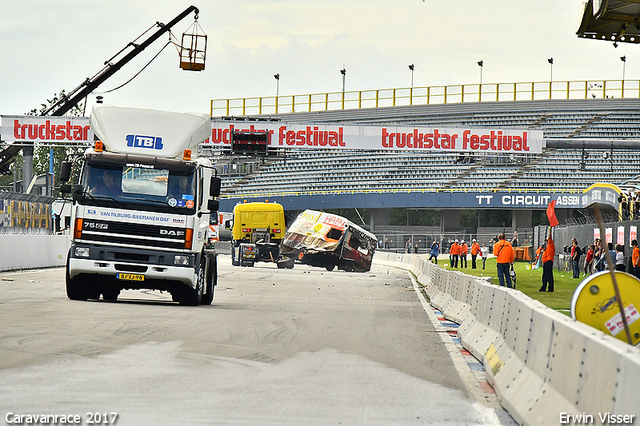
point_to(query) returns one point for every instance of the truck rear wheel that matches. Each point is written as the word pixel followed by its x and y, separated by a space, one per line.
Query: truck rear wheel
pixel 234 260
pixel 110 294
pixel 212 281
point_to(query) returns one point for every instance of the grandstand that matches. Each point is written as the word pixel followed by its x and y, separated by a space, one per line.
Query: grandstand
pixel 600 124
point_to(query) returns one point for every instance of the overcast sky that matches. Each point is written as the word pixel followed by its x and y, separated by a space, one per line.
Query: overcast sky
pixel 51 45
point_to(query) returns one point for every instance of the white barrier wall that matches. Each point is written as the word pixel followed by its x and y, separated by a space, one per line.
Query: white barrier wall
pixel 544 366
pixel 32 251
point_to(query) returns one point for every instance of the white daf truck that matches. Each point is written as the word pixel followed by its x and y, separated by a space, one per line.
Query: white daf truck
pixel 142 207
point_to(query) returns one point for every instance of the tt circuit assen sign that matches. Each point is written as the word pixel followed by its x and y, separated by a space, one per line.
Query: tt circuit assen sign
pixel 301 135
pixel 599 193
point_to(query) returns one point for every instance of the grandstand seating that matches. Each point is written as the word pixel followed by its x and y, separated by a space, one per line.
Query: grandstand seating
pixel 311 170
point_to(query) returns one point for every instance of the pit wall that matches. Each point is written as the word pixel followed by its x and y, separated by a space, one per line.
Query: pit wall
pixel 543 365
pixel 32 251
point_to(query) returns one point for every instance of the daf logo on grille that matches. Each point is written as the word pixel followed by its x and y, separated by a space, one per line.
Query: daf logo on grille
pixel 172 232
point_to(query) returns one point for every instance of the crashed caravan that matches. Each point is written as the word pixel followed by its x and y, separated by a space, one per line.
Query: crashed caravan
pixel 329 241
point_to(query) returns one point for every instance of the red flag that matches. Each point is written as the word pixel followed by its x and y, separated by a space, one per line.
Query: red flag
pixel 551 214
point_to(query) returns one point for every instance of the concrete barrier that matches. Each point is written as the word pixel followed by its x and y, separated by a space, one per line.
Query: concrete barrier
pixel 32 251
pixel 544 366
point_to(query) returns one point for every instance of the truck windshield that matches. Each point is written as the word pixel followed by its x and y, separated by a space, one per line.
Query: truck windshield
pixel 135 185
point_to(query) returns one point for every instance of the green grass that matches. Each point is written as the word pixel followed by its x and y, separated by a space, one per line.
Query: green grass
pixel 529 282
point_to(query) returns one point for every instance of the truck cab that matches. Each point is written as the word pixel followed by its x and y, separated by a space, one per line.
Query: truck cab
pixel 257 230
pixel 142 207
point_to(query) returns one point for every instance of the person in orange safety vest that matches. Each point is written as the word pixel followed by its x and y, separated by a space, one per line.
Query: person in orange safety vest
pixel 454 253
pixel 464 250
pixel 475 249
pixel 504 258
pixel 547 265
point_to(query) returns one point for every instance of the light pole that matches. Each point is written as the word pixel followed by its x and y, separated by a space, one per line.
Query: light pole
pixel 624 69
pixel 343 71
pixel 481 65
pixel 277 77
pixel 550 60
pixel 411 67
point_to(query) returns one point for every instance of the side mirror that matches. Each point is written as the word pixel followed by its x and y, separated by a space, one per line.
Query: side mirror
pixel 65 188
pixel 213 205
pixel 65 172
pixel 76 192
pixel 214 188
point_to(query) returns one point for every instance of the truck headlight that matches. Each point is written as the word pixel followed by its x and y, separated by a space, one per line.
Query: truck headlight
pixel 82 251
pixel 181 260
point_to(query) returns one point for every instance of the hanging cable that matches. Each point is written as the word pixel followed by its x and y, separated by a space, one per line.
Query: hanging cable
pixel 136 74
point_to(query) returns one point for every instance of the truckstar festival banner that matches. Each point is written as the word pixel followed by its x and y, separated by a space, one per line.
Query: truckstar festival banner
pixel 301 135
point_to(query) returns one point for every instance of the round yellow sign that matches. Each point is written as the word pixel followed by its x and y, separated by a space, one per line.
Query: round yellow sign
pixel 594 303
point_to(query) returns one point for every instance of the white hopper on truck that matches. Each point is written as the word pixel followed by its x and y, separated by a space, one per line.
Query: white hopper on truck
pixel 142 207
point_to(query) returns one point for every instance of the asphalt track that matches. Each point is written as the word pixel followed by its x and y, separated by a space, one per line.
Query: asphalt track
pixel 276 347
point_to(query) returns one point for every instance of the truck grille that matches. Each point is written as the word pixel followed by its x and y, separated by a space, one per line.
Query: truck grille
pixel 133 234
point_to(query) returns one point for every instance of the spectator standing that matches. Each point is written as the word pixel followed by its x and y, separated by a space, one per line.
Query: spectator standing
pixel 475 249
pixel 454 252
pixel 407 246
pixel 598 256
pixel 504 258
pixel 576 253
pixel 435 251
pixel 624 204
pixel 464 250
pixel 588 261
pixel 635 259
pixel 514 241
pixel 484 252
pixel 620 266
pixel 547 265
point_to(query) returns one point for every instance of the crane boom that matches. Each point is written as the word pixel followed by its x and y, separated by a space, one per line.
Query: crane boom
pixel 89 85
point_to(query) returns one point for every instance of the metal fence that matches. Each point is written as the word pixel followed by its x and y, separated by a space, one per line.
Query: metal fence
pixel 428 95
pixel 404 242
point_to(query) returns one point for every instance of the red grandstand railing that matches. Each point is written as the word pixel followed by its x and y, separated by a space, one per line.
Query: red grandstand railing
pixel 485 92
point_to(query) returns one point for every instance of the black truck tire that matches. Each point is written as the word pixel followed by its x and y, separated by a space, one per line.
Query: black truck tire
pixel 75 289
pixel 211 281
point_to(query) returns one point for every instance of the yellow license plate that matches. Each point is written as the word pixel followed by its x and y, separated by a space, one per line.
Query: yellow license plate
pixel 130 277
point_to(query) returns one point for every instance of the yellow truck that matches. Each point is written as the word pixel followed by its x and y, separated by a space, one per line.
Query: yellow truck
pixel 257 230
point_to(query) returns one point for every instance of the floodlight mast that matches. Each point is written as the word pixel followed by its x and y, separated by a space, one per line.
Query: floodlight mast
pixel 89 85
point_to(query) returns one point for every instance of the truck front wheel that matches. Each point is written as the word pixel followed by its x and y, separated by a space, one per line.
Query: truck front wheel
pixel 193 296
pixel 75 290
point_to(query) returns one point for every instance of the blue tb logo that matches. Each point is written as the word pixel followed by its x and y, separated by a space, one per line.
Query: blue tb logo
pixel 139 141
